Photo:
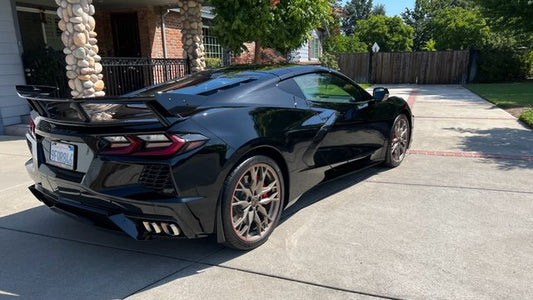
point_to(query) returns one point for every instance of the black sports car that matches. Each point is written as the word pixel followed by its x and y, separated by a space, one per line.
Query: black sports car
pixel 219 152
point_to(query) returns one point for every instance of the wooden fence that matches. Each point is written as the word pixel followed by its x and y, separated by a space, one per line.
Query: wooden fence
pixel 408 67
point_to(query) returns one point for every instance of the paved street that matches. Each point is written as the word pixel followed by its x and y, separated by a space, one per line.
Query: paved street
pixel 454 221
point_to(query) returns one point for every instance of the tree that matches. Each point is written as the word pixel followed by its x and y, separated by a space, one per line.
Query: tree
pixel 379 9
pixel 459 29
pixel 436 5
pixel 390 33
pixel 335 42
pixel 333 27
pixel 430 46
pixel 282 25
pixel 515 15
pixel 420 18
pixel 344 44
pixel 237 22
pixel 355 10
pixel 293 20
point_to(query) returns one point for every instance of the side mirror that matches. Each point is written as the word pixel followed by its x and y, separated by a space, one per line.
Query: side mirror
pixel 380 94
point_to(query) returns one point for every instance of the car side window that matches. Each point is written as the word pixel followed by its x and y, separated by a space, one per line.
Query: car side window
pixel 324 87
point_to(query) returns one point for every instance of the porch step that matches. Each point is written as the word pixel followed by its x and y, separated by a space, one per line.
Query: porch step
pixel 16 130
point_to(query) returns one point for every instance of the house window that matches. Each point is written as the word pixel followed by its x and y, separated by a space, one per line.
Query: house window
pixel 212 48
pixel 314 47
pixel 53 33
pixel 39 29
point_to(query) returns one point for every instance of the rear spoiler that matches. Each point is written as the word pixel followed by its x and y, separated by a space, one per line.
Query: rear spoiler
pixel 166 108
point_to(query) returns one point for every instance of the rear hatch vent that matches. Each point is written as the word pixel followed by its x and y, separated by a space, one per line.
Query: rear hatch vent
pixel 157 178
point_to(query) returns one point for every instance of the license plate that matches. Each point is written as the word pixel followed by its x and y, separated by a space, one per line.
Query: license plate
pixel 62 155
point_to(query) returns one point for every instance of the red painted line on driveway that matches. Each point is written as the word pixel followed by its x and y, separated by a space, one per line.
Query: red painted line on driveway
pixel 454 103
pixel 412 98
pixel 466 118
pixel 470 155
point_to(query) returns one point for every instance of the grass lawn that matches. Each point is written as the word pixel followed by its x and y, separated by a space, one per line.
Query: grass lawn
pixel 516 98
pixel 365 85
pixel 527 117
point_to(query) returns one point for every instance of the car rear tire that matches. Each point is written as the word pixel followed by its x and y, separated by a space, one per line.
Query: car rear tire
pixel 400 137
pixel 252 202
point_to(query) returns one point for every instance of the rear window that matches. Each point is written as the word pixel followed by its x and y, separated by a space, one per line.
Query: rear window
pixel 198 84
pixel 98 112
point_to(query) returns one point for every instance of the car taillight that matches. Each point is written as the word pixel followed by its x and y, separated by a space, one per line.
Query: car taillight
pixel 32 128
pixel 155 140
pixel 160 144
pixel 150 144
pixel 120 145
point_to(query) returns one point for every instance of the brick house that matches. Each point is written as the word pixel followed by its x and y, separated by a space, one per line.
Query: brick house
pixel 126 28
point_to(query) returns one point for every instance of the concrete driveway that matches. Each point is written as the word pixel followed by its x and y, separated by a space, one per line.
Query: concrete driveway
pixel 454 221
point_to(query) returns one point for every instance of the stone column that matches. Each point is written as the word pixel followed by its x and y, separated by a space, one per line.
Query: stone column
pixel 81 49
pixel 191 20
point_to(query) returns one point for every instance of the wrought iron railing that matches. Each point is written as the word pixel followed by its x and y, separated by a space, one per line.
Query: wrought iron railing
pixel 126 74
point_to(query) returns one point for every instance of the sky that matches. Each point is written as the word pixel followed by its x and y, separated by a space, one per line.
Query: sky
pixel 393 7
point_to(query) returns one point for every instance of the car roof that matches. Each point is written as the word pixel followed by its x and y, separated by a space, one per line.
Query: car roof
pixel 236 85
pixel 208 81
pixel 283 71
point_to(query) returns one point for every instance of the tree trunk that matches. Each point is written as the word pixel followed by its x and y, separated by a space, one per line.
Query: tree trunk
pixel 286 55
pixel 257 54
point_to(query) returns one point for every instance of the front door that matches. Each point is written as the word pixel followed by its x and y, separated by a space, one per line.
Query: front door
pixel 126 39
pixel 126 75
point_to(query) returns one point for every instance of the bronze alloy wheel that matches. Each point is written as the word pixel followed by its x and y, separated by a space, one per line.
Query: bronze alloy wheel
pixel 256 202
pixel 399 141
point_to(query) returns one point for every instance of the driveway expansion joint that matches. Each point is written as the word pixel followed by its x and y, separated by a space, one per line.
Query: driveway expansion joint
pixel 448 186
pixel 464 118
pixel 18 155
pixel 339 289
pixel 199 262
pixel 470 155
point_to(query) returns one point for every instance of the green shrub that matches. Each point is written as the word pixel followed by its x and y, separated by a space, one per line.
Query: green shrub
pixel 344 44
pixel 329 60
pixel 213 63
pixel 430 45
pixel 502 66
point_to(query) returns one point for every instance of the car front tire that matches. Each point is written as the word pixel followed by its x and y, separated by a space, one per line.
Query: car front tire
pixel 400 137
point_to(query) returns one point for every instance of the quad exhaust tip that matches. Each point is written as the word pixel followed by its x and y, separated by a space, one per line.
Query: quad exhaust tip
pixel 170 229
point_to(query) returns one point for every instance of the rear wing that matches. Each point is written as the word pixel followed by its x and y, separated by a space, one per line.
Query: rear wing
pixel 108 110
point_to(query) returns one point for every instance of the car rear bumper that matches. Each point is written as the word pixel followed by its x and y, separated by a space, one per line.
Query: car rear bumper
pixel 109 196
pixel 129 216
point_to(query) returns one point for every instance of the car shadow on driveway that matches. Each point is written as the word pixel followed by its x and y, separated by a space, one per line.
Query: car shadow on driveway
pixel 46 255
pixel 336 183
pixel 509 148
